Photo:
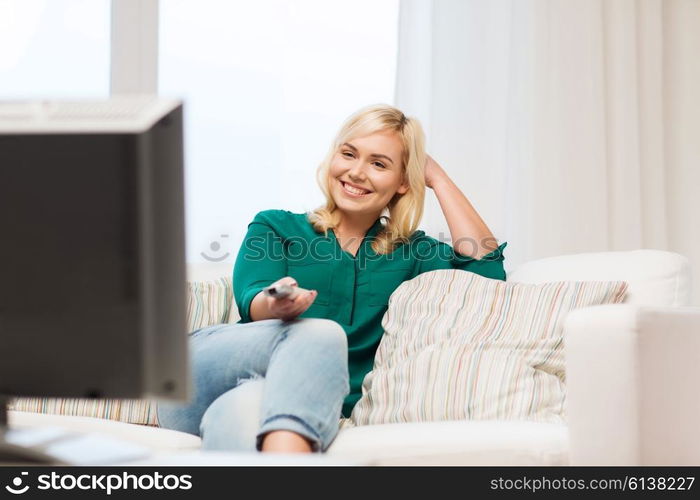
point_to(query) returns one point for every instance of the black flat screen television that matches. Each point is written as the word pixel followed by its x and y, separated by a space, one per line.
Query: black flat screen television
pixel 92 249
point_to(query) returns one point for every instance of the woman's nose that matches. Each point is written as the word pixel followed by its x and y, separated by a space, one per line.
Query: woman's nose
pixel 357 170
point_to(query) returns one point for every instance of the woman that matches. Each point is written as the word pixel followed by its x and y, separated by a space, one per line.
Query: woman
pixel 280 378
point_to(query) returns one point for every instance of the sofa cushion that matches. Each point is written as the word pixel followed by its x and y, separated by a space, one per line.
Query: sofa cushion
pixel 459 346
pixel 455 443
pixel 655 277
pixel 157 440
pixel 207 303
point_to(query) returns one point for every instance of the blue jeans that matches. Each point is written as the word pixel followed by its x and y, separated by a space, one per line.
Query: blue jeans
pixel 253 378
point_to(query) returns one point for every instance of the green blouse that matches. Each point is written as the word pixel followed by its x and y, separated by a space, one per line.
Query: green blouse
pixel 352 290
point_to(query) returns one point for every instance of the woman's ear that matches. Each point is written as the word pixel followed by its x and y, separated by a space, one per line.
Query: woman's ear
pixel 403 187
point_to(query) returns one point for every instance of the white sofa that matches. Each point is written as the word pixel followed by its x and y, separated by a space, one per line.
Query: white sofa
pixel 632 377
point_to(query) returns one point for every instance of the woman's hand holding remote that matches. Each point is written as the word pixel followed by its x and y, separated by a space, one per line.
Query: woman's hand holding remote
pixel 289 308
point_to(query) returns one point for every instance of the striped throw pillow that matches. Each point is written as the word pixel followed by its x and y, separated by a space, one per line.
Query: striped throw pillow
pixel 208 303
pixel 459 346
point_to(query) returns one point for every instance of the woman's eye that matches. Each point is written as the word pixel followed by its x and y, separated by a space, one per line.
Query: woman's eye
pixel 348 154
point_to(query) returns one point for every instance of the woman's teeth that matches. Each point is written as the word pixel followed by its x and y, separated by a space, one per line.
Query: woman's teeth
pixel 353 190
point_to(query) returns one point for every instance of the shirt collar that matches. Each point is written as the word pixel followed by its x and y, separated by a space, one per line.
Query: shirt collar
pixel 366 245
pixel 369 237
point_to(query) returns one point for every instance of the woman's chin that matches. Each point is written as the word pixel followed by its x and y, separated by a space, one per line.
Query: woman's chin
pixel 355 210
pixel 349 205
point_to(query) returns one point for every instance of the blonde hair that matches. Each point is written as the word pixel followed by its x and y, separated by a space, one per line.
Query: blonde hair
pixel 405 210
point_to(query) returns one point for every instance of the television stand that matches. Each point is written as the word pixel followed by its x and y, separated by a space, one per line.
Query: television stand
pixel 17 454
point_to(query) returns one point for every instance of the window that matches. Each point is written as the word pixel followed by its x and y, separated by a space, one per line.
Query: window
pixel 266 86
pixel 56 48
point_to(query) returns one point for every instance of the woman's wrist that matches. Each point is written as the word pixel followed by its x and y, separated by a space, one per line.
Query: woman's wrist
pixel 259 308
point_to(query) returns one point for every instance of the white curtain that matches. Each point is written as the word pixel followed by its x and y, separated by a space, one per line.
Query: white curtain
pixel 571 125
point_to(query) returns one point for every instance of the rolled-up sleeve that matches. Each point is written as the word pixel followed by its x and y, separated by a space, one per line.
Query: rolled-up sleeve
pixel 434 254
pixel 259 263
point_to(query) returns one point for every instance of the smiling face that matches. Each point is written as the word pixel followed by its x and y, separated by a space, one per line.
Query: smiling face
pixel 366 172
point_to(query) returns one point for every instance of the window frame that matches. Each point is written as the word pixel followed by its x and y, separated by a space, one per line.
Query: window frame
pixel 134 47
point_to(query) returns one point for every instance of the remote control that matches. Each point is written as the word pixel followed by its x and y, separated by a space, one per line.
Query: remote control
pixel 283 291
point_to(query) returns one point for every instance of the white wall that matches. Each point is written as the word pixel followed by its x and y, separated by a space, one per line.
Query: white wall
pixel 266 85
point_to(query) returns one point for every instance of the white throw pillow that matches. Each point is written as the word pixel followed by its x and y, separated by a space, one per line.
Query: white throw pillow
pixel 459 346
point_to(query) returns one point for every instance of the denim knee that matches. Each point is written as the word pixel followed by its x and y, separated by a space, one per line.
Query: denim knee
pixel 323 333
pixel 232 421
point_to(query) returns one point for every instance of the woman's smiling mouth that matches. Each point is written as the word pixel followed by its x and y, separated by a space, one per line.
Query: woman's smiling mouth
pixel 354 192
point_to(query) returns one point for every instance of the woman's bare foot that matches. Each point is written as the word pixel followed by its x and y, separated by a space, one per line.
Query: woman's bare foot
pixel 285 442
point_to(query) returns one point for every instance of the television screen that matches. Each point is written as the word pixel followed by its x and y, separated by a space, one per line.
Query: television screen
pixel 92 267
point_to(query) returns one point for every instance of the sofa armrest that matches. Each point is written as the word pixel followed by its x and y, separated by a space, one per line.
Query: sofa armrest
pixel 632 385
